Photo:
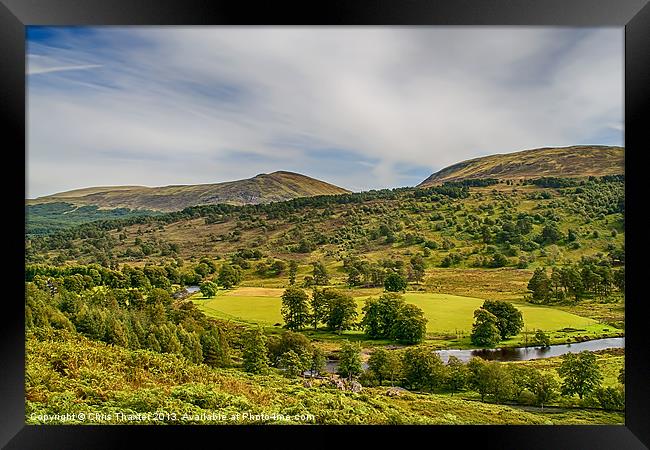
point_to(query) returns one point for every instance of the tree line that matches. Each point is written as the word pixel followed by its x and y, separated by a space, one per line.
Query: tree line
pixel 419 368
pixel 588 278
pixel 77 278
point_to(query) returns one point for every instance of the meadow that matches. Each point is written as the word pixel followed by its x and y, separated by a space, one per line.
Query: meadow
pixel 450 317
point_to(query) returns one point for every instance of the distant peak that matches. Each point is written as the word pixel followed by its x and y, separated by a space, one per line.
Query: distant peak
pixel 277 186
pixel 576 161
pixel 285 172
pixel 282 173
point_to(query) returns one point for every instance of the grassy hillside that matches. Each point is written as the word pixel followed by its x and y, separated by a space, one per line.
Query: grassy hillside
pixel 263 188
pixel 575 161
pixel 66 375
pixel 449 233
pixel 458 240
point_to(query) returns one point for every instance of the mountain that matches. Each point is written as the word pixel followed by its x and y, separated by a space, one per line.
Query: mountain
pixel 263 188
pixel 570 162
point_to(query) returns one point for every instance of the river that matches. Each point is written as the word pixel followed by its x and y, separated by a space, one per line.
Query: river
pixel 518 353
pixel 526 353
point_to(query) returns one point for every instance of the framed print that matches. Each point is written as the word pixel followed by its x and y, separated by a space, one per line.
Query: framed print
pixel 247 221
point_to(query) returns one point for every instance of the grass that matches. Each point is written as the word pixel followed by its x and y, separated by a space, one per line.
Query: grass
pixel 495 284
pixel 144 382
pixel 609 361
pixel 608 313
pixel 450 317
pixel 248 309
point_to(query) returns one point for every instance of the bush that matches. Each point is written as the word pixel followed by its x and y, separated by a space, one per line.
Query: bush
pixel 542 338
pixel 286 342
pixel 394 282
pixel 611 398
pixel 498 260
pixel 369 379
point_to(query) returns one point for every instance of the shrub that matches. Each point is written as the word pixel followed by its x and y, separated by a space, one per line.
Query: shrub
pixel 611 398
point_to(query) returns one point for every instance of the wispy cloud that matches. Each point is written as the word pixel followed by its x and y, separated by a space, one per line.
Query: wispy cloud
pixel 207 104
pixel 40 64
pixel 37 70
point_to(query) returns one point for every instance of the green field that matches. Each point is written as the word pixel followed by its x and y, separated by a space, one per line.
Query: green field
pixel 249 309
pixel 447 314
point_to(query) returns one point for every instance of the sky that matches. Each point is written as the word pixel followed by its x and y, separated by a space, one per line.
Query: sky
pixel 360 107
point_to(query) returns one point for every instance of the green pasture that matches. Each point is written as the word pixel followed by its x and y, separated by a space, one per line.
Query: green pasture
pixel 446 314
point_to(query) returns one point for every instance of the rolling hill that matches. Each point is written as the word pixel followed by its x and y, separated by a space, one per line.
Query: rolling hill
pixel 263 188
pixel 568 162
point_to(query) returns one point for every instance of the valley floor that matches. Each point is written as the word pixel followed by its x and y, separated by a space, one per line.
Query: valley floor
pixel 449 317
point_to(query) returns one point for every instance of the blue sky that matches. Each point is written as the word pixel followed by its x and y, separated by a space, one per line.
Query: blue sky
pixel 363 108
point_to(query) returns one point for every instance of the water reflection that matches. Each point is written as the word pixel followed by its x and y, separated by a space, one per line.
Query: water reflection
pixel 517 353
pixel 526 353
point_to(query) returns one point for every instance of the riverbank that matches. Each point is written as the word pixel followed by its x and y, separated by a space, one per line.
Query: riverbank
pixel 560 336
pixel 512 354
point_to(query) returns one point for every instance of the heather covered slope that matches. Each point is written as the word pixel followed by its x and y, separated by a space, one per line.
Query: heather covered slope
pixel 263 188
pixel 570 162
pixel 66 374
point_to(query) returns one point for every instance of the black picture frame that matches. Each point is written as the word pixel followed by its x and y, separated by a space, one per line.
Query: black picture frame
pixel 634 15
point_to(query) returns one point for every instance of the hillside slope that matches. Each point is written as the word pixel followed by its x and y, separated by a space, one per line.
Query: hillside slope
pixel 575 161
pixel 197 394
pixel 263 188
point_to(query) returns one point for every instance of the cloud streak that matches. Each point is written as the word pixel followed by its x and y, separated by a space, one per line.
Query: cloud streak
pixel 359 107
pixel 38 70
pixel 45 63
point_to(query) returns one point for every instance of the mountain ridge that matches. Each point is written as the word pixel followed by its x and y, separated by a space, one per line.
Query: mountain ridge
pixel 572 162
pixel 263 188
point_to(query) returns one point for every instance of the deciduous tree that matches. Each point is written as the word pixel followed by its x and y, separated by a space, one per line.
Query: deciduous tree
pixel 317 361
pixel 208 289
pixel 457 375
pixel 229 276
pixel 295 308
pixel 580 373
pixel 509 318
pixel 422 368
pixel 254 357
pixel 293 271
pixel 410 325
pixel 293 363
pixel 485 332
pixel 394 282
pixel 350 360
pixel 340 310
pixel 544 387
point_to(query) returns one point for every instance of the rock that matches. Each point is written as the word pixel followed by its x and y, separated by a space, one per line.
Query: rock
pixel 307 383
pixel 394 392
pixel 338 384
pixel 355 386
